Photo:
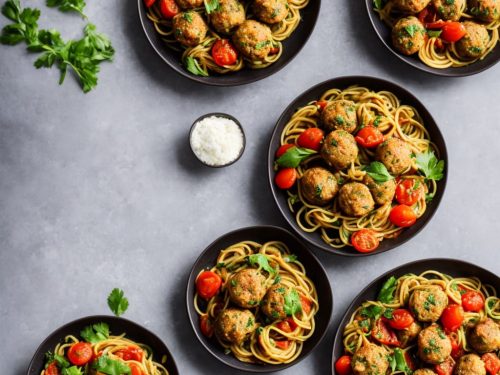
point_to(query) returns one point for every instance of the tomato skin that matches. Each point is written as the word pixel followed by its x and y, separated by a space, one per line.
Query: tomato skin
pixel 321 104
pixel 52 369
pixel 206 326
pixel 402 216
pixel 384 334
pixel 286 178
pixel 452 317
pixel 131 353
pixel 446 367
pixel 369 137
pixel 306 304
pixel 169 8
pixel 472 301
pixel 401 319
pixel 283 149
pixel 80 353
pixel 311 138
pixel 287 325
pixel 491 362
pixel 224 53
pixel 149 3
pixel 208 284
pixel 435 25
pixel 365 240
pixel 343 365
pixel 453 32
pixel 135 369
pixel 408 191
pixel 282 344
pixel 456 350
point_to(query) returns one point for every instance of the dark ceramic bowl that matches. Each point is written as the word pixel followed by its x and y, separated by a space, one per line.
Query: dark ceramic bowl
pixel 376 84
pixel 218 114
pixel 452 267
pixel 384 33
pixel 116 326
pixel 291 47
pixel 314 270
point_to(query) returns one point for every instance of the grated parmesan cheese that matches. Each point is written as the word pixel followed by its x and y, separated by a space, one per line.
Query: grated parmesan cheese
pixel 217 141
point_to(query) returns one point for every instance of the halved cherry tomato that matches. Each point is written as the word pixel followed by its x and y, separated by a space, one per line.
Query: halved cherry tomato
pixel 149 3
pixel 408 191
pixel 364 240
pixel 401 319
pixel 452 317
pixel 206 326
pixel 169 8
pixel 402 216
pixel 287 325
pixel 446 367
pixel 306 304
pixel 224 53
pixel 435 25
pixel 135 369
pixel 311 138
pixel 274 50
pixel 491 362
pixel 52 369
pixel 80 353
pixel 453 32
pixel 283 149
pixel 321 104
pixel 130 353
pixel 472 301
pixel 369 137
pixel 384 334
pixel 456 350
pixel 208 284
pixel 343 365
pixel 286 178
pixel 282 344
pixel 427 15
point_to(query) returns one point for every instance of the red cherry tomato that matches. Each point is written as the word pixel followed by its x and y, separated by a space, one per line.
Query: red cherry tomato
pixel 365 240
pixel 282 344
pixel 286 178
pixel 401 319
pixel 472 301
pixel 283 149
pixel 491 362
pixel 274 50
pixel 206 326
pixel 446 367
pixel 453 31
pixel 321 104
pixel 135 369
pixel 208 284
pixel 435 25
pixel 169 8
pixel 369 137
pixel 306 304
pixel 408 191
pixel 311 138
pixel 402 216
pixel 130 353
pixel 80 353
pixel 452 317
pixel 456 350
pixel 287 325
pixel 384 334
pixel 149 3
pixel 224 53
pixel 52 369
pixel 343 365
pixel 427 15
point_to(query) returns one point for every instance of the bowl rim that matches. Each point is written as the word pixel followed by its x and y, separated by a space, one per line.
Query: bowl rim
pixel 353 80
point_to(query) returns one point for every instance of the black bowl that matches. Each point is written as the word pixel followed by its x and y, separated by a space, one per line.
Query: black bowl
pixel 314 270
pixel 384 33
pixel 450 267
pixel 376 84
pixel 116 326
pixel 291 47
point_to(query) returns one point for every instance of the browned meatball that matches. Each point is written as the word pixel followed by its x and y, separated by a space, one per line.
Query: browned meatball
pixel 395 154
pixel 382 192
pixel 340 114
pixel 234 325
pixel 408 35
pixel 355 199
pixel 253 39
pixel 485 336
pixel 370 359
pixel 270 11
pixel 411 6
pixel 273 302
pixel 247 287
pixel 449 10
pixel 318 186
pixel 433 345
pixel 475 41
pixel 227 16
pixel 428 303
pixel 339 149
pixel 189 28
pixel 470 364
pixel 407 335
pixel 189 4
pixel 424 371
pixel 485 10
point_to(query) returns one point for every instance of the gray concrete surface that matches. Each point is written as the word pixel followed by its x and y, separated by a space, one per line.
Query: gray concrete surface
pixel 100 190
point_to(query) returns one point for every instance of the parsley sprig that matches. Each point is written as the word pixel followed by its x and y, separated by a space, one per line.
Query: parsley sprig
pixel 68 5
pixel 117 302
pixel 430 166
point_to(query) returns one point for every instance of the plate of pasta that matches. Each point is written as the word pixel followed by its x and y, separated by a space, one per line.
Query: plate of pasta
pixel 102 345
pixel 357 165
pixel 258 299
pixel 443 37
pixel 429 317
pixel 228 42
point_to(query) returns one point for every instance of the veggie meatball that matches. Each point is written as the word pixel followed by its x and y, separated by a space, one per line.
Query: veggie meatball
pixel 318 186
pixel 229 15
pixel 253 40
pixel 355 199
pixel 273 302
pixel 428 303
pixel 411 6
pixel 270 11
pixel 433 345
pixel 485 336
pixel 340 114
pixel 395 154
pixel 382 192
pixel 189 4
pixel 190 28
pixel 424 371
pixel 449 10
pixel 408 35
pixel 339 149
pixel 485 10
pixel 247 287
pixel 470 364
pixel 234 325
pixel 475 41
pixel 370 359
pixel 407 335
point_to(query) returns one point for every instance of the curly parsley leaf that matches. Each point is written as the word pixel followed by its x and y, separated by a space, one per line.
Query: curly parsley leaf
pixel 261 261
pixel 378 172
pixel 110 366
pixel 386 294
pixel 430 166
pixel 95 333
pixel 194 67
pixel 294 156
pixel 117 302
pixel 211 6
pixel 68 5
pixel 292 303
